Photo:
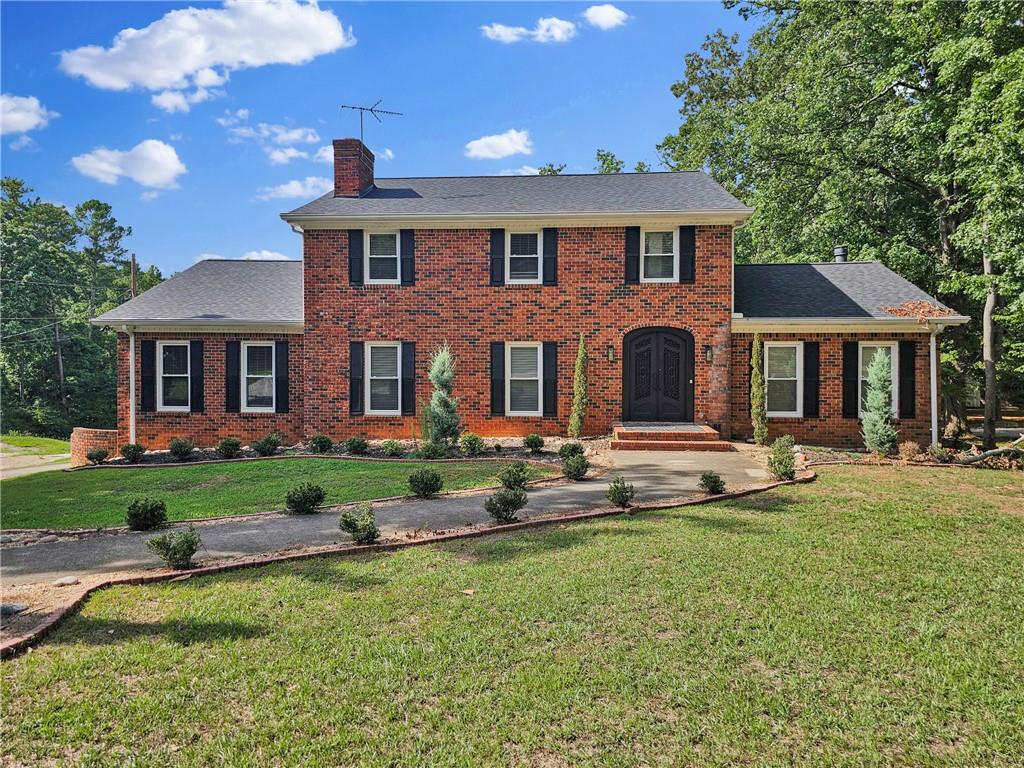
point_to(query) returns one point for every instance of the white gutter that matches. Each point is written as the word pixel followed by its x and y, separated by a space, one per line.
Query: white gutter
pixel 933 396
pixel 131 383
pixel 742 324
pixel 341 221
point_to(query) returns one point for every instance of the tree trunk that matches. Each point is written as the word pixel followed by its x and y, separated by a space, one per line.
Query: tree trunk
pixel 988 351
pixel 92 299
pixel 60 364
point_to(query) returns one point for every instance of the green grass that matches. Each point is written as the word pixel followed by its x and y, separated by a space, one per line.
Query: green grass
pixel 96 498
pixel 871 618
pixel 39 446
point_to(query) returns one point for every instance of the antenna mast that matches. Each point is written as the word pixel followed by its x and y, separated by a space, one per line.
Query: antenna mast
pixel 372 110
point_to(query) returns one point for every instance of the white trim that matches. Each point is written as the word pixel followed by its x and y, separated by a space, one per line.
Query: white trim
pixel 131 386
pixel 799 347
pixel 508 377
pixel 894 372
pixel 398 258
pixel 742 324
pixel 245 376
pixel 509 280
pixel 932 397
pixel 194 326
pixel 644 254
pixel 508 219
pixel 369 346
pixel 160 376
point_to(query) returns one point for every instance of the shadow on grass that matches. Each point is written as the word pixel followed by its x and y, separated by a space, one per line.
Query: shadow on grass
pixel 769 501
pixel 180 631
pixel 722 524
pixel 517 546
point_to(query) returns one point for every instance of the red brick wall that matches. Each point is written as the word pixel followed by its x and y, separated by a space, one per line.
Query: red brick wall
pixel 830 429
pixel 84 440
pixel 452 301
pixel 155 429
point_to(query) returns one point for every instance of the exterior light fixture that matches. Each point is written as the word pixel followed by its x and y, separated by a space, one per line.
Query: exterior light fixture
pixel 611 354
pixel 709 354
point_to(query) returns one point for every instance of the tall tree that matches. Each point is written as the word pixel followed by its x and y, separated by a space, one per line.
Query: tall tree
pixel 607 162
pixel 551 169
pixel 102 246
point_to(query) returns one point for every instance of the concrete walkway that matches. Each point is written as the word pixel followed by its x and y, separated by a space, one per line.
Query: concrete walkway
pixel 655 475
pixel 14 464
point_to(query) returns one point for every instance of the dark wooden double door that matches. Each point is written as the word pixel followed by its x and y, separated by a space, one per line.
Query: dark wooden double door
pixel 658 375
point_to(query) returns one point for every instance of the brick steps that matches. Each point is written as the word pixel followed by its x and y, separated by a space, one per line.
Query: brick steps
pixel 685 438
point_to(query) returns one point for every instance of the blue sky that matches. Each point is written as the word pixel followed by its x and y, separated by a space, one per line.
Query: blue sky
pixel 197 128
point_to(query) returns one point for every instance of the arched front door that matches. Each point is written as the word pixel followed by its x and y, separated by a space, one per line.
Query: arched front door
pixel 658 375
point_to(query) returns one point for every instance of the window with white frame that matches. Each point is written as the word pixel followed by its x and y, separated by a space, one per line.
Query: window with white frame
pixel 383 379
pixel 658 260
pixel 867 353
pixel 257 376
pixel 173 376
pixel 382 252
pixel 523 366
pixel 522 257
pixel 783 378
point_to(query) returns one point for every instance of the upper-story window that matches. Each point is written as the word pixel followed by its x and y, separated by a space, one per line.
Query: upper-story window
pixel 173 375
pixel 523 257
pixel 382 254
pixel 658 261
pixel 258 376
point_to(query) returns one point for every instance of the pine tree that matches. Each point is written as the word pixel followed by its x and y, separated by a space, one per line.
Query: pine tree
pixel 444 418
pixel 579 391
pixel 758 409
pixel 879 433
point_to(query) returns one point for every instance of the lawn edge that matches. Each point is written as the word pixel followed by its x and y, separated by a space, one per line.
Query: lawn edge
pixel 325 456
pixel 14 646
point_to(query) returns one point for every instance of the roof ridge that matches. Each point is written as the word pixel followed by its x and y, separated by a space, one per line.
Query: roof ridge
pixel 535 175
pixel 810 263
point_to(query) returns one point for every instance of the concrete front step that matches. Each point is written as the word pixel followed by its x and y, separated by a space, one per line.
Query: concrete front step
pixel 621 433
pixel 671 445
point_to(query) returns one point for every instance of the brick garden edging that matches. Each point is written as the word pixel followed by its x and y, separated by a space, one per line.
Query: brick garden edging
pixel 326 456
pixel 16 645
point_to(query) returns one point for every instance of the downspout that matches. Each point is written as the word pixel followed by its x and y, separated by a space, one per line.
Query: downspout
pixel 934 366
pixel 131 384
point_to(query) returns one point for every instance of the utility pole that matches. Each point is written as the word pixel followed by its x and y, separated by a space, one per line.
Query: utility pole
pixel 135 279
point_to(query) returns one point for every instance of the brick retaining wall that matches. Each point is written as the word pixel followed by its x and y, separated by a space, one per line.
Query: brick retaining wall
pixel 84 440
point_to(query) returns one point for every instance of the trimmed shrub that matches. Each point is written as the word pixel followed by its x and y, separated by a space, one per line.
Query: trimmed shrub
pixel 941 454
pixel 267 446
pixel 431 451
pixel 504 504
pixel 229 448
pixel 498 448
pixel 620 493
pixel 758 406
pixel 133 452
pixel 909 449
pixel 879 432
pixel 357 446
pixel 443 409
pixel 97 455
pixel 514 475
pixel 361 525
pixel 575 467
pixel 304 499
pixel 781 461
pixel 181 448
pixel 391 448
pixel 471 443
pixel 711 482
pixel 176 548
pixel 570 449
pixel 146 514
pixel 320 444
pixel 534 443
pixel 425 482
pixel 579 391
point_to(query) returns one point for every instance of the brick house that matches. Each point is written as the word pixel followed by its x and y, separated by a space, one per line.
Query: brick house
pixel 509 272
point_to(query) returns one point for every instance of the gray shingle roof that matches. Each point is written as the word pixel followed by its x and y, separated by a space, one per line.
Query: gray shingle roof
pixel 219 292
pixel 686 191
pixel 855 289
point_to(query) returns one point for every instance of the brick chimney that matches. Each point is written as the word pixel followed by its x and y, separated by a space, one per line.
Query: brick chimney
pixel 353 168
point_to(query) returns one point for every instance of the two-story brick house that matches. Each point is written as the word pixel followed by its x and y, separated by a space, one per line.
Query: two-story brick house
pixel 509 272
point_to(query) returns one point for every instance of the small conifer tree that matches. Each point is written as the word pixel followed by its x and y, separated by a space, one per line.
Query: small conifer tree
pixel 443 408
pixel 758 409
pixel 879 432
pixel 579 391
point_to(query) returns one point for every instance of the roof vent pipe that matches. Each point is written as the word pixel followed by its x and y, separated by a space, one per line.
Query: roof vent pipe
pixel 840 253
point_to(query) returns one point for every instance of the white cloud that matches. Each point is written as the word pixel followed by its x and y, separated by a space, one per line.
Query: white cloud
pixel 179 101
pixel 605 16
pixel 149 195
pixel 265 255
pixel 523 170
pixel 385 154
pixel 325 154
pixel 198 48
pixel 283 156
pixel 511 142
pixel 311 186
pixel 20 114
pixel 150 163
pixel 232 118
pixel 547 30
pixel 276 134
pixel 23 141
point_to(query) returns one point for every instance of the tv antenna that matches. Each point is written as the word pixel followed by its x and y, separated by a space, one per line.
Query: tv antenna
pixel 372 110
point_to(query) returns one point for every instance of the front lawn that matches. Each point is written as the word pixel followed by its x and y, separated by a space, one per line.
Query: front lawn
pixel 38 446
pixel 871 618
pixel 95 498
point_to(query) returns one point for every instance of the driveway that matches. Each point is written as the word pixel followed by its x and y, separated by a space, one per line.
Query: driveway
pixel 13 463
pixel 656 474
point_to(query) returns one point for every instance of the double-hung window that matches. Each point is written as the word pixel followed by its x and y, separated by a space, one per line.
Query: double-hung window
pixel 382 253
pixel 257 376
pixel 173 376
pixel 523 257
pixel 659 260
pixel 867 353
pixel 523 366
pixel 783 378
pixel 383 379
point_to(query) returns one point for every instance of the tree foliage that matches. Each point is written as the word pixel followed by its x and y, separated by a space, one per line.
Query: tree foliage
pixel 444 417
pixel 758 408
pixel 879 433
pixel 579 391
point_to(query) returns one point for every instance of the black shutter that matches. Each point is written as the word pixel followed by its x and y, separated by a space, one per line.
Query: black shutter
pixel 281 376
pixel 908 378
pixel 232 376
pixel 632 254
pixel 851 380
pixel 497 257
pixel 408 249
pixel 550 256
pixel 196 377
pixel 408 378
pixel 811 379
pixel 355 257
pixel 148 353
pixel 550 363
pixel 687 254
pixel 497 378
pixel 355 378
